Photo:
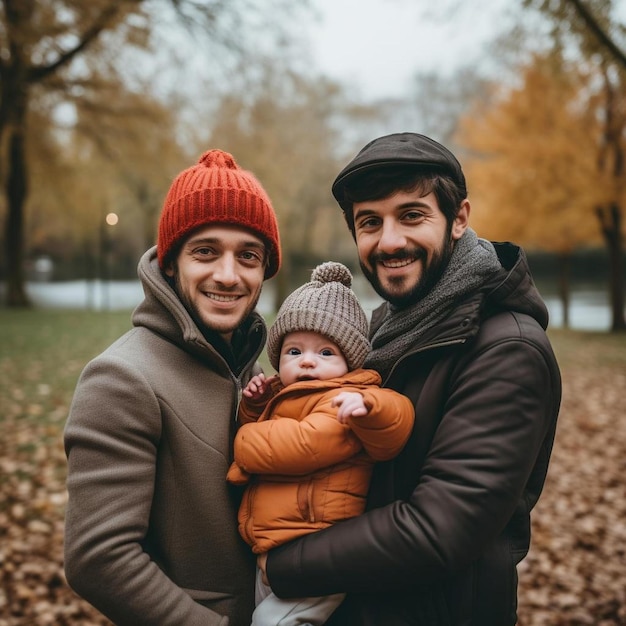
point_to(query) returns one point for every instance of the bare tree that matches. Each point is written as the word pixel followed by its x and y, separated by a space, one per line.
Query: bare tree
pixel 598 31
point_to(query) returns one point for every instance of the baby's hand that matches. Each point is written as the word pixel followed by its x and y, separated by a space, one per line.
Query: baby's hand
pixel 256 387
pixel 350 404
pixel 261 388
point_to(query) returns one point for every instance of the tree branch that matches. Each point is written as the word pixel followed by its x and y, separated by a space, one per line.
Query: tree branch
pixel 604 39
pixel 38 73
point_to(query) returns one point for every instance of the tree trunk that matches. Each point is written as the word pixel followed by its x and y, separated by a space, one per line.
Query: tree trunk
pixel 16 188
pixel 610 217
pixel 611 225
pixel 565 259
pixel 13 111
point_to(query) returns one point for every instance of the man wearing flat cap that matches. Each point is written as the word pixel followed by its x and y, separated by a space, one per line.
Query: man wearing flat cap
pixel 462 334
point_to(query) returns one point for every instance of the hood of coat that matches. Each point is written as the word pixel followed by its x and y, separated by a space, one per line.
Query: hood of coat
pixel 162 312
pixel 516 290
pixel 511 289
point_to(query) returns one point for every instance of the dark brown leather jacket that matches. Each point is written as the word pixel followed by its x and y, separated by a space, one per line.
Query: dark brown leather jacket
pixel 449 518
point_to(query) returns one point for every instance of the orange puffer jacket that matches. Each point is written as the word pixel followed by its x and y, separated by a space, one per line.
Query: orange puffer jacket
pixel 309 471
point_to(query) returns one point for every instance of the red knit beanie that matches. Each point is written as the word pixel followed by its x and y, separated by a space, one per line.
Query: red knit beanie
pixel 217 191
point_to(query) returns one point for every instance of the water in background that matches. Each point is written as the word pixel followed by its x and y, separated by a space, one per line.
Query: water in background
pixel 589 309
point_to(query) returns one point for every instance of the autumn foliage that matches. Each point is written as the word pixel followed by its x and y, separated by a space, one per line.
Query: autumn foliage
pixel 546 161
pixel 532 160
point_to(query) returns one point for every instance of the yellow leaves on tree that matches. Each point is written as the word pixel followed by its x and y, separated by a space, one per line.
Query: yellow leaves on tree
pixel 532 173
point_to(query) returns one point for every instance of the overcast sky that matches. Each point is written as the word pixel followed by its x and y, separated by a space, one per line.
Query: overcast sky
pixel 376 46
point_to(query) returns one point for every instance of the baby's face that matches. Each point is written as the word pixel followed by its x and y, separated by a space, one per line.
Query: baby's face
pixel 306 355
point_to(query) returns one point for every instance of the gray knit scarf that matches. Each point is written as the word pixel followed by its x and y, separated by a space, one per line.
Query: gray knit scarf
pixel 473 260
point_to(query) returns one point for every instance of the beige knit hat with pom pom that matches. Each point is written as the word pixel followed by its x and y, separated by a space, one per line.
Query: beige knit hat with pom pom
pixel 328 306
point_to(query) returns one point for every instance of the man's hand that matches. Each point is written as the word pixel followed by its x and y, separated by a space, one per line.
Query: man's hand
pixel 261 562
pixel 350 404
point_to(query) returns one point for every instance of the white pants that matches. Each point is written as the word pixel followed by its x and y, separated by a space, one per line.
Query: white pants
pixel 274 611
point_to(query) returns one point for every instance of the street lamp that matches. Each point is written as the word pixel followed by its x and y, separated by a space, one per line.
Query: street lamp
pixel 111 219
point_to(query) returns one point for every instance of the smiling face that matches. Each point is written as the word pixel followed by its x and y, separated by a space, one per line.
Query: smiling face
pixel 218 275
pixel 306 355
pixel 404 243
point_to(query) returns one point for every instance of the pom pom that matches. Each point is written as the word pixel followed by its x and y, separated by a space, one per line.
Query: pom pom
pixel 218 158
pixel 332 272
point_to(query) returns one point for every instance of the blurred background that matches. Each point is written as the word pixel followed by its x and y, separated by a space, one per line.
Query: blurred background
pixel 103 102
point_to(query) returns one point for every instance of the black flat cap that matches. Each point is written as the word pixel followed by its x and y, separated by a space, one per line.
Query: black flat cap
pixel 400 149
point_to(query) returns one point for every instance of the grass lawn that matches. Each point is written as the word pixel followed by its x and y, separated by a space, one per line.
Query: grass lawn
pixel 43 352
pixel 578 528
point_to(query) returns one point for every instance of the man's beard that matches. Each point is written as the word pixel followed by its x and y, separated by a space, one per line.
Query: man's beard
pixel 431 273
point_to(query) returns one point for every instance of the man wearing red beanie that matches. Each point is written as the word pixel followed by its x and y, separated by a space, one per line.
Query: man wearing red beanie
pixel 151 535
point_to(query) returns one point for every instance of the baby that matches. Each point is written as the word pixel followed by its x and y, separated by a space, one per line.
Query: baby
pixel 310 435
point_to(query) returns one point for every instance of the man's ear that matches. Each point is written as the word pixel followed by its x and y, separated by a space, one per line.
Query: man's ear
pixel 169 269
pixel 461 221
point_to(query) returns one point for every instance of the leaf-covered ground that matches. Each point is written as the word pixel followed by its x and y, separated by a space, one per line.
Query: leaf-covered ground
pixel 574 575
